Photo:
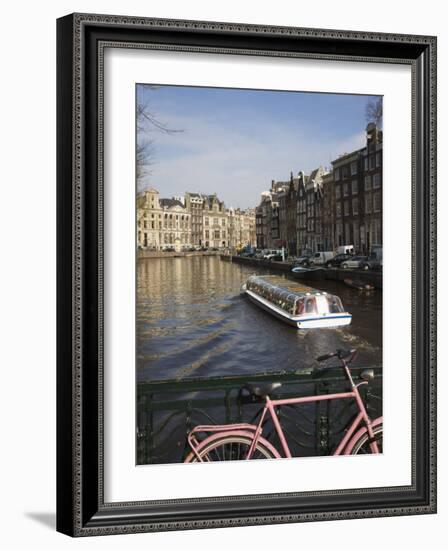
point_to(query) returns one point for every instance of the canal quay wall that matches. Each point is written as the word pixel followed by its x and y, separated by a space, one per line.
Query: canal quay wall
pixel 367 277
pixel 160 254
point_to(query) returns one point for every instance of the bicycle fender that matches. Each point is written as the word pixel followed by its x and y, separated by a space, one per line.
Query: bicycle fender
pixel 348 449
pixel 195 452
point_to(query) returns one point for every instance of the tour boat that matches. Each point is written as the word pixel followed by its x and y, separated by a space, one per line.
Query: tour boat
pixel 298 305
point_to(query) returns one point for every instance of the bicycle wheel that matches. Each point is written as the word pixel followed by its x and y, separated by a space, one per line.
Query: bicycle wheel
pixel 362 446
pixel 231 447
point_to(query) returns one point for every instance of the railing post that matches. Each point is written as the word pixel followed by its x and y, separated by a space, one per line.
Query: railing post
pixel 141 430
pixel 322 421
pixel 228 407
pixel 149 431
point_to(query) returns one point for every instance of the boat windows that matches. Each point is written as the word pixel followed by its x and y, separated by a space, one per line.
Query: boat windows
pixel 310 305
pixel 334 304
pixel 300 307
pixel 292 302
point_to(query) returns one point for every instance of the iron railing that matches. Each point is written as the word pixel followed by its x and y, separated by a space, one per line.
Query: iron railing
pixel 168 410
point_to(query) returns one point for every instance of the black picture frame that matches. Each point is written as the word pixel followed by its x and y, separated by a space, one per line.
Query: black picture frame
pixel 81 510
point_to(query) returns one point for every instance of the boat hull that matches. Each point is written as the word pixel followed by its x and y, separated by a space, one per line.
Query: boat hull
pixel 317 274
pixel 330 320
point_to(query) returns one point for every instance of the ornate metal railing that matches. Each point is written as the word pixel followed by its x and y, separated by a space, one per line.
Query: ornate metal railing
pixel 168 410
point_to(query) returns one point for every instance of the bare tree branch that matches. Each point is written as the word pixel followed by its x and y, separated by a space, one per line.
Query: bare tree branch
pixel 147 122
pixel 374 111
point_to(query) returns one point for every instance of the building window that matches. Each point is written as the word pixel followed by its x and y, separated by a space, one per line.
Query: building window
pixel 377 234
pixel 368 204
pixel 367 183
pixel 337 174
pixel 377 202
pixel 346 208
pixel 355 235
pixel 378 160
pixel 338 191
pixel 338 209
pixel 217 234
pixel 376 181
pixel 206 221
pixel 355 207
pixel 354 187
pixel 344 172
pixel 345 189
pixel 372 162
pixel 366 163
pixel 353 168
pixel 223 221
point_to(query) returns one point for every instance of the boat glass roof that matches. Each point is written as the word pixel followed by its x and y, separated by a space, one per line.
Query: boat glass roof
pixel 285 284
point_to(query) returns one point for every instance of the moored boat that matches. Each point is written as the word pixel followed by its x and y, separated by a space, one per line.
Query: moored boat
pixel 359 285
pixel 298 305
pixel 308 273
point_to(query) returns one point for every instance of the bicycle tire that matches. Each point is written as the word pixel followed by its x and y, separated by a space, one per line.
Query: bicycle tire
pixel 362 446
pixel 230 447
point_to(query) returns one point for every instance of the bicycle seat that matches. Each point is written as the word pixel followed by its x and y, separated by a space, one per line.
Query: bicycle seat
pixel 263 389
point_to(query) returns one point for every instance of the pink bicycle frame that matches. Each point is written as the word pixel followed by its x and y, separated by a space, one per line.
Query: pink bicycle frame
pixel 254 431
pixel 361 416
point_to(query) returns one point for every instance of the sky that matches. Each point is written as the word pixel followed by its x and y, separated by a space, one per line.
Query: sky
pixel 234 142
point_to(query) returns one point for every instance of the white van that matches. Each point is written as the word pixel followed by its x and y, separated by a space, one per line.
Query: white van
pixel 319 258
pixel 346 249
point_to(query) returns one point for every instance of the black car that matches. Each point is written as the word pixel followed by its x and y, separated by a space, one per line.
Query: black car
pixel 337 260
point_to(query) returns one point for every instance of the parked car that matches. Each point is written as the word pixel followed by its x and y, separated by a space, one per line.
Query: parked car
pixel 320 258
pixel 354 262
pixel 269 254
pixel 373 262
pixel 337 260
pixel 169 249
pixel 302 260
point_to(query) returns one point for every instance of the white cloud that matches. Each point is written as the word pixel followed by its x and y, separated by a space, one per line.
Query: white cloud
pixel 238 165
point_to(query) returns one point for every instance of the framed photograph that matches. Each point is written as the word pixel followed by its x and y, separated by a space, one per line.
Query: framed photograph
pixel 246 274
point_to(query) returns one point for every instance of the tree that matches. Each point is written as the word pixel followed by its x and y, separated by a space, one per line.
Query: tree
pixel 374 111
pixel 147 122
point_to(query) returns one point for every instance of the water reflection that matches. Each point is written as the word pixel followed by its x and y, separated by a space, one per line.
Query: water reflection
pixel 192 321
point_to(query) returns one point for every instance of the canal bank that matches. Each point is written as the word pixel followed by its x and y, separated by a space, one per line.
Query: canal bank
pixel 142 254
pixel 373 278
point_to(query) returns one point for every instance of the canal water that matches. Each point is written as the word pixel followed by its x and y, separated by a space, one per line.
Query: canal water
pixel 193 322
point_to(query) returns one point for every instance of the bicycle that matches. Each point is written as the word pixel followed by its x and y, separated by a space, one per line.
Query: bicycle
pixel 244 441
